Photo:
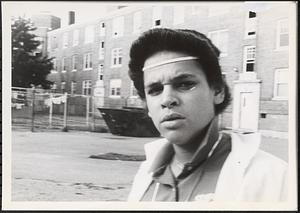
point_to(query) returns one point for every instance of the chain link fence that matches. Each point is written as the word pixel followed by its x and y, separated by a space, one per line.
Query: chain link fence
pixel 38 109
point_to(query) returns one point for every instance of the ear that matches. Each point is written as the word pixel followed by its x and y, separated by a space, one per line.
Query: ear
pixel 219 96
pixel 149 114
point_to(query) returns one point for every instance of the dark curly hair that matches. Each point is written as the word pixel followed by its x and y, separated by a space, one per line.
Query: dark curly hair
pixel 186 41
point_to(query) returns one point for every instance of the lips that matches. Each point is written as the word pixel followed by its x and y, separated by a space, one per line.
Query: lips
pixel 172 117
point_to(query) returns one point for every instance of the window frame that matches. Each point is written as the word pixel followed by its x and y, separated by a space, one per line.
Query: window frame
pixel 102 29
pixel 115 86
pixel 64 65
pixel 246 59
pixel 101 50
pixel 87 60
pixel 87 86
pixel 276 82
pixel 73 87
pixel 119 55
pixel 65 40
pixel 278 34
pixel 100 72
pixel 74 63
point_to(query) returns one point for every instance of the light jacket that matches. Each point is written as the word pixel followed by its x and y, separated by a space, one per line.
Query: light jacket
pixel 248 174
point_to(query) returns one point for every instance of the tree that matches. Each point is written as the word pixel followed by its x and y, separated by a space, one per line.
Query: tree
pixel 28 68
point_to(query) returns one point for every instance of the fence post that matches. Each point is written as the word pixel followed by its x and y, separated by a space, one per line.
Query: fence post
pixel 50 111
pixel 65 111
pixel 32 115
pixel 87 110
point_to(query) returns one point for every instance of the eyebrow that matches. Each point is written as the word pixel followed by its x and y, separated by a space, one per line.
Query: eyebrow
pixel 175 79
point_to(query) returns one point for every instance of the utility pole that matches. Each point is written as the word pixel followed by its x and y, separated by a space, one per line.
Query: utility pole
pixel 32 113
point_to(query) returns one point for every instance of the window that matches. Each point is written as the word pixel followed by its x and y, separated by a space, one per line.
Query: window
pixel 281 84
pixel 217 9
pixel 118 26
pixel 282 41
pixel 73 87
pixel 63 86
pixel 64 65
pixel 133 91
pixel 115 87
pixel 220 39
pixel 89 34
pixel 87 87
pixel 75 38
pixel 157 14
pixel 65 40
pixel 178 14
pixel 54 70
pixel 100 72
pixel 137 22
pixel 101 50
pixel 251 23
pixel 74 63
pixel 249 59
pixel 116 56
pixel 87 61
pixel 102 29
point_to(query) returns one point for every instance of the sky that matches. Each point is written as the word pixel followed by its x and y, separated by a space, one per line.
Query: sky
pixel 84 11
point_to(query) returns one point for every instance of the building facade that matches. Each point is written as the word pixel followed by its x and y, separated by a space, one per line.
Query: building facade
pixel 92 58
pixel 44 23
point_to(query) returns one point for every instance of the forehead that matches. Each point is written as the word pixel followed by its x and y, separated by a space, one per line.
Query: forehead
pixel 168 71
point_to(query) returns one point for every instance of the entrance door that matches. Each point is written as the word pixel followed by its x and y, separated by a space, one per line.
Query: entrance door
pixel 247 111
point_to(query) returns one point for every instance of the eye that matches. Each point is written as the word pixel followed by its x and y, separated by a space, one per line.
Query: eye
pixel 185 85
pixel 155 90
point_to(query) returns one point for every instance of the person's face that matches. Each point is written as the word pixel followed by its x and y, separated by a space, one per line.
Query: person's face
pixel 178 97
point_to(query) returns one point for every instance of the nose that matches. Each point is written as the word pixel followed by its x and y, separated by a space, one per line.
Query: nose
pixel 169 98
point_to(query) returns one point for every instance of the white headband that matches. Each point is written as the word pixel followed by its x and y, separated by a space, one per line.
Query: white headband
pixel 186 58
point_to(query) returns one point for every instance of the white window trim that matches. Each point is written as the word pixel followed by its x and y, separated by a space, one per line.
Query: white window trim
pixel 245 59
pixel 73 87
pixel 112 57
pixel 89 68
pixel 280 48
pixel 222 54
pixel 54 70
pixel 119 81
pixel 63 64
pixel 87 85
pixel 74 56
pixel 275 97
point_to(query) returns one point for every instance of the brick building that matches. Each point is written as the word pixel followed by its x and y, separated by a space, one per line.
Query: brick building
pixel 44 23
pixel 92 58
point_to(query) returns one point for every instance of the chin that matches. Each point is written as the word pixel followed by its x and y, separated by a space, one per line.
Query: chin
pixel 176 138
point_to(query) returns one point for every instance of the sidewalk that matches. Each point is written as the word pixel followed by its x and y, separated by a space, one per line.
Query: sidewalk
pixel 55 166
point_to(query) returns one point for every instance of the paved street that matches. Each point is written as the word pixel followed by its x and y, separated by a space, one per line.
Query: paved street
pixel 55 166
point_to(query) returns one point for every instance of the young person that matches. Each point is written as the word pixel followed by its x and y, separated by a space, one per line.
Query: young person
pixel 177 74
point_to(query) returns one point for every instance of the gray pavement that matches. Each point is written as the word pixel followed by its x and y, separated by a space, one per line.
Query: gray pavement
pixel 55 166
